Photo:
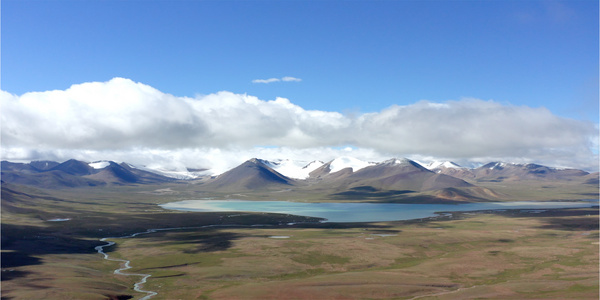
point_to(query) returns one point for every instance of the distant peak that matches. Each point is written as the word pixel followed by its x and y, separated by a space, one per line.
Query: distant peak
pixel 397 161
pixel 259 161
pixel 499 165
pixel 403 162
pixel 502 165
pixel 442 164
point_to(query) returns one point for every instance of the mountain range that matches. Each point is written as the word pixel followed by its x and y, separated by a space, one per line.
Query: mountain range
pixel 500 171
pixel 341 178
pixel 74 173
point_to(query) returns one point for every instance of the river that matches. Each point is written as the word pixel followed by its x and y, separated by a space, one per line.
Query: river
pixel 126 263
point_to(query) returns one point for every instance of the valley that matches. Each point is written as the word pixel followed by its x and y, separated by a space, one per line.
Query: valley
pixel 53 220
pixel 299 150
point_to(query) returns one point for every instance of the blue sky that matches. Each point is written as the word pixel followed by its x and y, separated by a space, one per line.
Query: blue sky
pixel 469 81
pixel 357 56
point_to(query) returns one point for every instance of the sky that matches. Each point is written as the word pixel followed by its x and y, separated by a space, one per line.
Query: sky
pixel 210 83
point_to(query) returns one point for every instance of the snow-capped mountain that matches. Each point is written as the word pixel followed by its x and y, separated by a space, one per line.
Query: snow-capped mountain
pixel 401 162
pixel 340 166
pixel 441 164
pixel 254 174
pixel 293 168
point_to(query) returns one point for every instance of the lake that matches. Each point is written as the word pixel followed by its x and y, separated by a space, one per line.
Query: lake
pixel 362 212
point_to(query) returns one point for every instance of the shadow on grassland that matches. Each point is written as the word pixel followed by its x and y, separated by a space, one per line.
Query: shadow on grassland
pixel 575 219
pixel 587 219
pixel 203 240
pixel 22 243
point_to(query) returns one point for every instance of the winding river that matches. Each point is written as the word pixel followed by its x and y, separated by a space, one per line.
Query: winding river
pixel 126 264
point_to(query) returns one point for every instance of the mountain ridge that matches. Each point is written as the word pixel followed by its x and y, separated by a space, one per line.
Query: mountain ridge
pixel 390 179
pixel 75 173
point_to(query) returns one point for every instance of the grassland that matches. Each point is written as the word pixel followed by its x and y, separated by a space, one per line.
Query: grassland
pixel 519 256
pixel 508 255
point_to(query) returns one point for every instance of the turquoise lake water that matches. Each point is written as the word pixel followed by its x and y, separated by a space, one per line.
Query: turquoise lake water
pixel 362 212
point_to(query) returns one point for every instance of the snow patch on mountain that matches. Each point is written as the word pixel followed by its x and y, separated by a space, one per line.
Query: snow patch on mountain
pixel 184 174
pixel 293 168
pixel 442 164
pixel 99 164
pixel 396 161
pixel 500 165
pixel 344 162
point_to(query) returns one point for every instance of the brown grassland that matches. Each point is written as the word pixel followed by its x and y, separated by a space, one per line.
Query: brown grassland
pixel 499 255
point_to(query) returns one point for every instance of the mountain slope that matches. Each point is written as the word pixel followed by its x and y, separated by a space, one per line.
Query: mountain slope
pixel 500 171
pixel 8 166
pixel 396 174
pixel 50 179
pixel 451 169
pixel 114 173
pixel 143 176
pixel 405 174
pixel 254 174
pixel 43 165
pixel 74 167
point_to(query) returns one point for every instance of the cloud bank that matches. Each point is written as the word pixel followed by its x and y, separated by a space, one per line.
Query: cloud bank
pixel 127 121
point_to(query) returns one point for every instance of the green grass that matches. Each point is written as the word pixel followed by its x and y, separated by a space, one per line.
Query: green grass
pixel 582 288
pixel 315 258
pixel 299 275
pixel 407 262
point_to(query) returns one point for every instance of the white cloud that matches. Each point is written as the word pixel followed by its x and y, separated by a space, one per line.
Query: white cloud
pixel 127 121
pixel 289 78
pixel 471 127
pixel 265 80
pixel 285 79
